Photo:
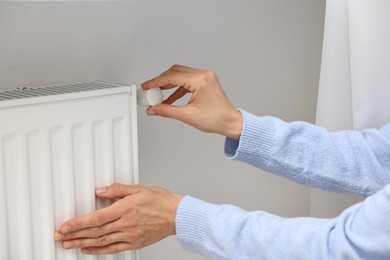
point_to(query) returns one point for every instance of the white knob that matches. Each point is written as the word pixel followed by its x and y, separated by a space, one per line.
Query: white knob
pixel 150 97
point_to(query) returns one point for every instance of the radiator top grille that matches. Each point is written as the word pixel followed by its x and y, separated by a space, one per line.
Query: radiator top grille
pixel 27 92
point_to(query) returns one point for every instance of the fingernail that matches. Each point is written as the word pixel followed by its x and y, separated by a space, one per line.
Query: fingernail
pixel 58 236
pixel 101 190
pixel 151 112
pixel 65 229
pixel 67 245
pixel 86 251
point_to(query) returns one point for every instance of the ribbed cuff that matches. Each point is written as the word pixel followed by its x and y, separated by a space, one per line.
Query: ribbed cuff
pixel 256 139
pixel 192 223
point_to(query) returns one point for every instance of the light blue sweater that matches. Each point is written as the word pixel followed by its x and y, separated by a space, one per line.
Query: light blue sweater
pixel 347 161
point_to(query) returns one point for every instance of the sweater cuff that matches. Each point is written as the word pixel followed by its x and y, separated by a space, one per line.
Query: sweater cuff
pixel 256 139
pixel 192 222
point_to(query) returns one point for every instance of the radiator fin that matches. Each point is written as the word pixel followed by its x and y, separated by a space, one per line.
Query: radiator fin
pixel 25 92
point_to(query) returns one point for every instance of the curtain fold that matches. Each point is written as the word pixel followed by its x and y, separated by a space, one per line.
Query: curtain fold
pixel 354 88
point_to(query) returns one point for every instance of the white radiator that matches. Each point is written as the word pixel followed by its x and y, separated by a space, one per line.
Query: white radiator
pixel 57 143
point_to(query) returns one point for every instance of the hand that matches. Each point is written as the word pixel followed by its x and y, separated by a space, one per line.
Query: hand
pixel 140 217
pixel 208 109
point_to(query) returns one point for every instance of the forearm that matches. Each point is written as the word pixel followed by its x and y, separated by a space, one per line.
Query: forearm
pixel 344 162
pixel 227 232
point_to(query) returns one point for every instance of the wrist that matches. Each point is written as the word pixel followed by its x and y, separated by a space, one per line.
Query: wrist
pixel 176 201
pixel 233 125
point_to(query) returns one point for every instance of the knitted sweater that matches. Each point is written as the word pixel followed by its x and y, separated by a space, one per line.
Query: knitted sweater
pixel 346 161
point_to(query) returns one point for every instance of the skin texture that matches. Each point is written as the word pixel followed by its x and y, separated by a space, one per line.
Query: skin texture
pixel 141 215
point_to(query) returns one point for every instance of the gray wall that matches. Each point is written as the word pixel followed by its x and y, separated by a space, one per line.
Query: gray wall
pixel 266 53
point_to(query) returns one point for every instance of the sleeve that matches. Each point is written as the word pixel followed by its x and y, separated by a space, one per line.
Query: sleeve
pixel 227 232
pixel 346 161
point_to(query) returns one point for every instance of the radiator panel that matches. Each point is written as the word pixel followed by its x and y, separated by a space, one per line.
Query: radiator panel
pixel 55 149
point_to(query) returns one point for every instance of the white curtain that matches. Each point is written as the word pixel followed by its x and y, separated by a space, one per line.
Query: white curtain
pixel 354 91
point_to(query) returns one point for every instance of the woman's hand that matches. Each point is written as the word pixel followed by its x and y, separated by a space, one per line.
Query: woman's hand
pixel 140 217
pixel 208 109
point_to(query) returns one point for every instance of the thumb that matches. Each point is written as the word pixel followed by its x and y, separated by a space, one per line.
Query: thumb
pixel 115 191
pixel 168 111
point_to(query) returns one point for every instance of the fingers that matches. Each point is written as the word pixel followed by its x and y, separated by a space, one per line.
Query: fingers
pixel 132 222
pixel 168 79
pixel 168 111
pixel 101 246
pixel 94 219
pixel 177 75
pixel 110 249
pixel 100 241
pixel 100 217
pixel 188 80
pixel 182 68
pixel 87 232
pixel 179 93
pixel 104 244
pixel 116 191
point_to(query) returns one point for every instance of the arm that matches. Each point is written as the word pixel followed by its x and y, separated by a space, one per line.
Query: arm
pixel 344 162
pixel 347 161
pixel 227 232
pixel 145 215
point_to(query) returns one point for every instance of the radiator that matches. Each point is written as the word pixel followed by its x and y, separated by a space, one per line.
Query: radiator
pixel 57 143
